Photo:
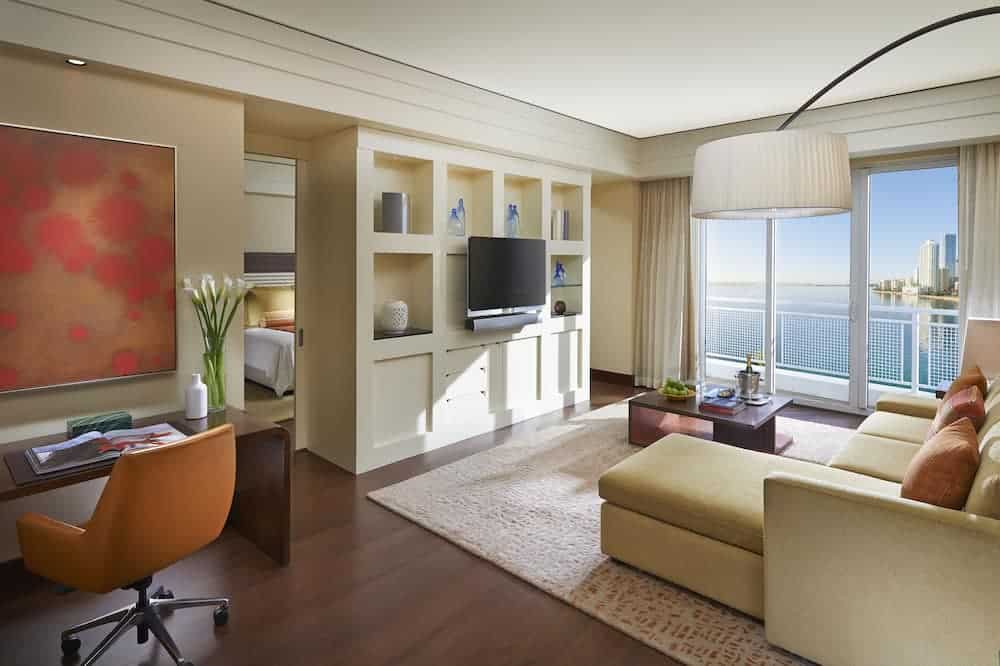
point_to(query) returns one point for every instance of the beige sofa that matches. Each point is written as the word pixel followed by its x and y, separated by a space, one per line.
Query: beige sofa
pixel 840 568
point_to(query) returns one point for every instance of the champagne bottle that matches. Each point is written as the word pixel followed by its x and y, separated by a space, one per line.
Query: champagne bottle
pixel 749 364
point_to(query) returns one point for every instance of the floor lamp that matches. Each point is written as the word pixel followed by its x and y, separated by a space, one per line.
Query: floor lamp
pixel 786 173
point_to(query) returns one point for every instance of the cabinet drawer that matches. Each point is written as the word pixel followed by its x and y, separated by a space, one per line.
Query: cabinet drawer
pixel 464 408
pixel 459 360
pixel 470 380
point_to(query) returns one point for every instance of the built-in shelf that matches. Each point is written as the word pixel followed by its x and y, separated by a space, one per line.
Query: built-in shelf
pixel 409 278
pixel 415 177
pixel 567 247
pixel 475 188
pixel 394 335
pixel 571 292
pixel 569 198
pixel 526 194
pixel 403 243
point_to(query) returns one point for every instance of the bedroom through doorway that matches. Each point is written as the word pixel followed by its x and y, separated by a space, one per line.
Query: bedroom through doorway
pixel 269 330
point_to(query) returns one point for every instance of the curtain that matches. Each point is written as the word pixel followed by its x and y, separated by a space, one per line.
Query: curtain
pixel 979 231
pixel 666 293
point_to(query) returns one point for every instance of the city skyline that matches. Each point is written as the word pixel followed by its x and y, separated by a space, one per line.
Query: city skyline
pixel 906 209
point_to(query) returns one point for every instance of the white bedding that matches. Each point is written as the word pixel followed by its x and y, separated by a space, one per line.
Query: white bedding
pixel 269 358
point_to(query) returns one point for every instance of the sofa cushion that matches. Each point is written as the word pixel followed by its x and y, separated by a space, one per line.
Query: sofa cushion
pixel 896 426
pixel 712 489
pixel 984 498
pixel 971 377
pixel 922 406
pixel 880 457
pixel 967 403
pixel 944 468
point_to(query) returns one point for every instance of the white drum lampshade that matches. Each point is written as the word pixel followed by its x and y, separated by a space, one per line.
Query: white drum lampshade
pixel 786 174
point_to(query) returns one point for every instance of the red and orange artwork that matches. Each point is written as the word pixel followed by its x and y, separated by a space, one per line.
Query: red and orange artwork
pixel 87 279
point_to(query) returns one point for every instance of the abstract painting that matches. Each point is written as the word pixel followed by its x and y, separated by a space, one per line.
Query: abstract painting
pixel 87 259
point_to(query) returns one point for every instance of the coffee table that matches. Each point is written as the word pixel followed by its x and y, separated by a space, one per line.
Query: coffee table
pixel 652 417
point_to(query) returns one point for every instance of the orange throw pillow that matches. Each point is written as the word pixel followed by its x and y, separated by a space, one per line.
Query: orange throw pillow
pixel 944 468
pixel 972 377
pixel 967 403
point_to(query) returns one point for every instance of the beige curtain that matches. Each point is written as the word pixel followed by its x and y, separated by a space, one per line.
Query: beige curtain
pixel 979 230
pixel 666 294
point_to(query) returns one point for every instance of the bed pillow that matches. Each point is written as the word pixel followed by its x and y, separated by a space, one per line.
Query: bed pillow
pixel 278 318
pixel 967 403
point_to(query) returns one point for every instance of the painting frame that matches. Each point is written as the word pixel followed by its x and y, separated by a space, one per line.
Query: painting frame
pixel 162 372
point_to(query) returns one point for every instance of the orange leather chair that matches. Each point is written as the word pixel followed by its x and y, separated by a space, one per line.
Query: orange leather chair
pixel 159 506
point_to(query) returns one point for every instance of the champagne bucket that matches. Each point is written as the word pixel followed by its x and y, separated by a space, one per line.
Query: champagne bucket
pixel 747 384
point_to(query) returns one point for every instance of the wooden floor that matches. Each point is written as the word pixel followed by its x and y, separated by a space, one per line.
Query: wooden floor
pixel 365 587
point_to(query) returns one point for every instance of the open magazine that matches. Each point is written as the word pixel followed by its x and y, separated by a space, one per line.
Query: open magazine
pixel 92 447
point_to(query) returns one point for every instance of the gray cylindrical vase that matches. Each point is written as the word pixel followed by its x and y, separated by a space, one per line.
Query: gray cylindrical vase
pixel 395 212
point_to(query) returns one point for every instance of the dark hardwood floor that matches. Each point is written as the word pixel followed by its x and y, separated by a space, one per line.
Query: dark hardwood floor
pixel 365 587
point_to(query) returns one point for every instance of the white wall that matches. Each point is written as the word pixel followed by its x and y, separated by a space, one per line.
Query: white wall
pixel 269 185
pixel 614 234
pixel 207 130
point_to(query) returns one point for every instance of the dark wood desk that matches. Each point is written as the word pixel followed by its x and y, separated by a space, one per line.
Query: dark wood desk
pixel 262 502
pixel 752 428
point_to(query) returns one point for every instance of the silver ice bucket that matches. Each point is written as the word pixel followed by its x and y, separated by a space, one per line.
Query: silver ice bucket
pixel 747 384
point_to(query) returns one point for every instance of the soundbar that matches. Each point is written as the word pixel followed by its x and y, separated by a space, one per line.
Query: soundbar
pixel 501 322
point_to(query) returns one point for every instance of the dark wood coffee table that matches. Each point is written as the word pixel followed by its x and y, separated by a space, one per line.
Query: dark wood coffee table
pixel 652 417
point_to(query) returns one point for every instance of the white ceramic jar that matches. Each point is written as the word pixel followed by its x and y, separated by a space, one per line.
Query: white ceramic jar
pixel 395 316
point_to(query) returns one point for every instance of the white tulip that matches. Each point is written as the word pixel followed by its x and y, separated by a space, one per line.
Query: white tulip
pixel 187 283
pixel 192 292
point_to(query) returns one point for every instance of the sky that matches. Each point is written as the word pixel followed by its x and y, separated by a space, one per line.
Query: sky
pixel 906 208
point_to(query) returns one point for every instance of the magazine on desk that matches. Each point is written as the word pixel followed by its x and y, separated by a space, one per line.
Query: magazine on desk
pixel 92 447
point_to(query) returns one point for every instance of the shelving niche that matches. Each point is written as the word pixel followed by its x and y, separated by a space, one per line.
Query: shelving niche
pixel 415 177
pixel 568 197
pixel 572 291
pixel 526 193
pixel 475 188
pixel 409 278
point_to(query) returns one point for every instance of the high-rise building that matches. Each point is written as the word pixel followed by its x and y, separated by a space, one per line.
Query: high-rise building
pixel 951 254
pixel 928 275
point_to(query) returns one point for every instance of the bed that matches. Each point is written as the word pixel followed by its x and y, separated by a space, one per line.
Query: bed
pixel 269 357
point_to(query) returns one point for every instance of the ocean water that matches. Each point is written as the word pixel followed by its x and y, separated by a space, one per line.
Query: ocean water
pixel 834 300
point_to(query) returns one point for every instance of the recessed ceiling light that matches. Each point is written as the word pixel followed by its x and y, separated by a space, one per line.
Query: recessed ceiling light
pixel 76 62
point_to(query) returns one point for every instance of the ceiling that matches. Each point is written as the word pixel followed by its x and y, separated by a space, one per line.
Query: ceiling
pixel 648 67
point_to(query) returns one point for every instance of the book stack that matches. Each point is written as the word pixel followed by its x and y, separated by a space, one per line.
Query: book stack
pixel 728 406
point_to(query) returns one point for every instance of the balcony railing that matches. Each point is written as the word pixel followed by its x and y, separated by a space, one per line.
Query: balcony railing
pixel 907 347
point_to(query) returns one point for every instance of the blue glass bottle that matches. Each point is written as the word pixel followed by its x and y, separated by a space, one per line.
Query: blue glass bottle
pixel 455 226
pixel 512 224
pixel 461 215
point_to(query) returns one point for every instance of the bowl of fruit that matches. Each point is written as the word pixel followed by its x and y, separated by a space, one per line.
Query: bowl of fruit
pixel 673 389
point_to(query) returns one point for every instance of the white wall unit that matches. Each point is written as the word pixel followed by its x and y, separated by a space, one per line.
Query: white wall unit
pixel 416 393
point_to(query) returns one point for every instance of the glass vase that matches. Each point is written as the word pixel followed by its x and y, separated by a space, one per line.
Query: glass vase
pixel 215 379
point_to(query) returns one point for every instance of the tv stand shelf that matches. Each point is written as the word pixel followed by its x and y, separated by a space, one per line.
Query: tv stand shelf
pixel 370 398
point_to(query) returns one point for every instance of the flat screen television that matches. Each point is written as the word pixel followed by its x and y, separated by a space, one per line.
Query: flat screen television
pixel 506 275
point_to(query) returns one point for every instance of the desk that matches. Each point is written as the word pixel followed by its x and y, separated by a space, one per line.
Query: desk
pixel 261 509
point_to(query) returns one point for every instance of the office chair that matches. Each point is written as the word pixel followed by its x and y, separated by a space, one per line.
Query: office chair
pixel 159 506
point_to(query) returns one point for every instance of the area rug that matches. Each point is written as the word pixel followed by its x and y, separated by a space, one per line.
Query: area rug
pixel 530 506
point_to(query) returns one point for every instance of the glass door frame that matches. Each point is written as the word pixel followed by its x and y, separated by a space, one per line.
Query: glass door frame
pixel 858 305
pixel 861 264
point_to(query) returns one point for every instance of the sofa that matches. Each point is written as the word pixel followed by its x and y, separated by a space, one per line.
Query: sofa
pixel 840 568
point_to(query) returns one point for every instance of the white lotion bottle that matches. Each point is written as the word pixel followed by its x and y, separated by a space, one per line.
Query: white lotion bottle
pixel 196 399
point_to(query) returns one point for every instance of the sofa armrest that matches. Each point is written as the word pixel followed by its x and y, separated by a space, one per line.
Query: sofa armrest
pixel 854 577
pixel 924 407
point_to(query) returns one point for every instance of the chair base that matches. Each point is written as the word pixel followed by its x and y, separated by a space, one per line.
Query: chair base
pixel 144 616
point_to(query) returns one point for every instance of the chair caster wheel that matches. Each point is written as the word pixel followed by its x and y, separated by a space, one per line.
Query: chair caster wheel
pixel 221 616
pixel 71 646
pixel 162 593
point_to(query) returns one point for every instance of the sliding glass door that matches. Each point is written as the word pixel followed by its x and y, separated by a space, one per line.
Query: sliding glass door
pixel 913 324
pixel 837 310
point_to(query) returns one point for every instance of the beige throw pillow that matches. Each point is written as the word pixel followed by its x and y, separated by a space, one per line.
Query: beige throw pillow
pixel 984 498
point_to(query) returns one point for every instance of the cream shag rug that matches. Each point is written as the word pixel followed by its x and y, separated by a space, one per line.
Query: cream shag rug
pixel 531 507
